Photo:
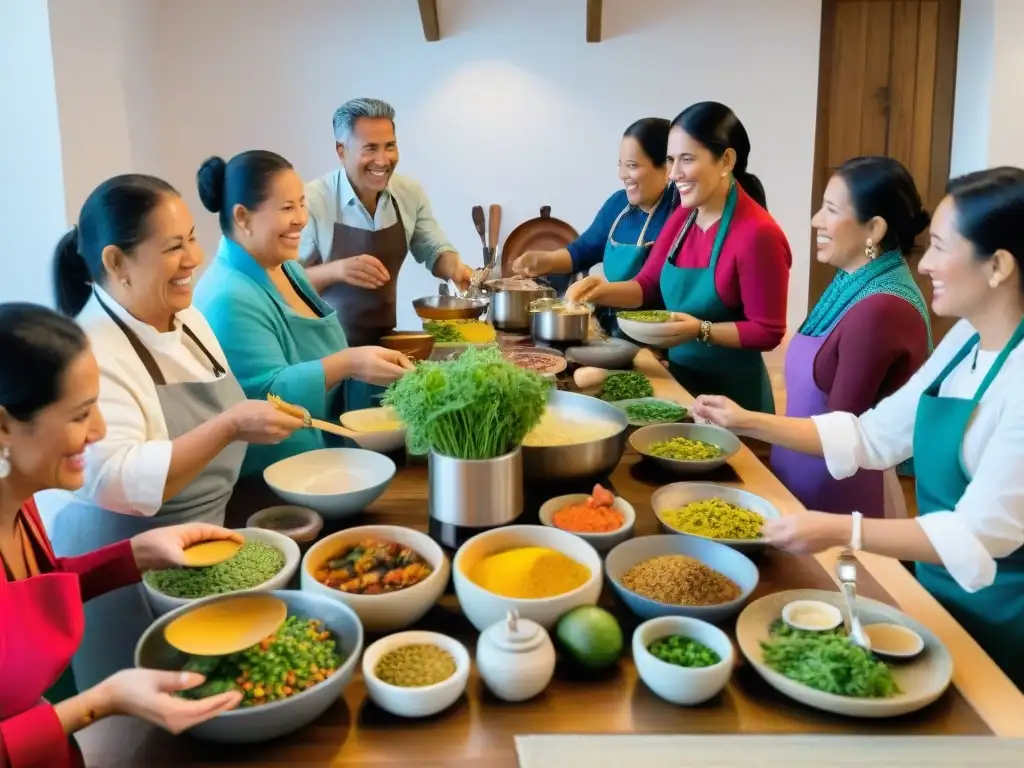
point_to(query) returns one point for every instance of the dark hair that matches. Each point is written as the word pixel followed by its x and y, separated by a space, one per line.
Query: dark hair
pixel 881 186
pixel 716 127
pixel 989 208
pixel 36 347
pixel 651 133
pixel 244 180
pixel 115 213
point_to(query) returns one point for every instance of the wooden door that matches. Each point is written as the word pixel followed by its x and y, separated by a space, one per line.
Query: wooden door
pixel 885 87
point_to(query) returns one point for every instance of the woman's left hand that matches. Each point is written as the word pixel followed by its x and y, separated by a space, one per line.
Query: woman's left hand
pixel 808 533
pixel 164 547
pixel 690 328
pixel 462 277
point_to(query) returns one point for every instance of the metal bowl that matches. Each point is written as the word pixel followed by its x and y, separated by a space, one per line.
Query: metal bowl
pixel 643 438
pixel 510 310
pixel 269 721
pixel 555 325
pixel 579 461
pixel 449 308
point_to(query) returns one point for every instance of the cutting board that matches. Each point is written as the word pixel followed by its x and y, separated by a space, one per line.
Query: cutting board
pixel 748 751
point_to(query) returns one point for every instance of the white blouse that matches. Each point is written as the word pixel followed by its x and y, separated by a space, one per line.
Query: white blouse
pixel 126 472
pixel 988 521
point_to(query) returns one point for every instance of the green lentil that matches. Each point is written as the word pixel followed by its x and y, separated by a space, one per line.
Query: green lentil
pixel 254 563
pixel 683 652
pixel 684 449
pixel 647 316
pixel 415 666
pixel 655 413
pixel 716 519
pixel 627 385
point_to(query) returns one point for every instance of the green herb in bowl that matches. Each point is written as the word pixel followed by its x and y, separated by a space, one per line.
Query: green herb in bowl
pixel 655 412
pixel 827 661
pixel 626 385
pixel 253 564
pixel 647 316
pixel 442 332
pixel 684 449
pixel 683 652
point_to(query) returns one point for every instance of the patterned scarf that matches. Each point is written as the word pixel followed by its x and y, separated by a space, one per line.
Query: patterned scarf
pixel 889 274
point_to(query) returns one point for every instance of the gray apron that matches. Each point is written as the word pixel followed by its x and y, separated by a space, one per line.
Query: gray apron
pixel 365 314
pixel 114 622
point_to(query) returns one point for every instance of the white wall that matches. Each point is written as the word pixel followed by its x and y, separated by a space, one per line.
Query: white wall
pixel 512 106
pixel 32 188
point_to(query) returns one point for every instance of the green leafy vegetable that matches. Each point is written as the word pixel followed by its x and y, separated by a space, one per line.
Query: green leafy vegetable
pixel 627 385
pixel 827 661
pixel 477 406
pixel 655 413
pixel 647 316
pixel 442 332
pixel 683 652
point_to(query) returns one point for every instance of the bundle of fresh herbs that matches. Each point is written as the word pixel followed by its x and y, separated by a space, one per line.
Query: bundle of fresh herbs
pixel 476 406
pixel 827 661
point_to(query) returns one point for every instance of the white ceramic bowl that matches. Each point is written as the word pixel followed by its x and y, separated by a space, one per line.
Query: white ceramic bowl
pixel 416 702
pixel 484 608
pixel 362 423
pixel 308 480
pixel 602 542
pixel 685 686
pixel 678 495
pixel 394 610
pixel 161 603
pixel 661 335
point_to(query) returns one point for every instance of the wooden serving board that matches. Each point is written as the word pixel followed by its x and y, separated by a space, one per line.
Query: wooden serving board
pixel 740 751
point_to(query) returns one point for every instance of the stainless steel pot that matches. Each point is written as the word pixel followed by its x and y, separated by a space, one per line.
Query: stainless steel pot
pixel 510 310
pixel 480 494
pixel 579 461
pixel 554 325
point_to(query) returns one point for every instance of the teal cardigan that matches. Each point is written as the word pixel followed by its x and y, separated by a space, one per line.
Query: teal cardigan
pixel 271 348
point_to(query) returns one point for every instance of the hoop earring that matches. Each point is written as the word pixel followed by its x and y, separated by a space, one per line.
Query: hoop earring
pixel 5 462
pixel 871 250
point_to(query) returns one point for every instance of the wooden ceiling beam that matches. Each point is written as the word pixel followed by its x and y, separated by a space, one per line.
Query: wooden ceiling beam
pixel 428 16
pixel 594 21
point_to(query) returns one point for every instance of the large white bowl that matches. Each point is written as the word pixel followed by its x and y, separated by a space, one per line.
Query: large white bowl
pixel 416 702
pixel 661 335
pixel 268 721
pixel 362 421
pixel 679 495
pixel 602 542
pixel 386 612
pixel 161 603
pixel 305 480
pixel 484 608
pixel 685 686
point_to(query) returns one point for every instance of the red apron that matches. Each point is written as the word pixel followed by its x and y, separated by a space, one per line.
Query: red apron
pixel 41 625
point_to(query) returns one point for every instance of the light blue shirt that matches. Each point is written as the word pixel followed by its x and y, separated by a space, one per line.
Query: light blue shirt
pixel 332 200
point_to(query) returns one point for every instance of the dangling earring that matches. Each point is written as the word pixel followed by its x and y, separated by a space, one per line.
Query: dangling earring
pixel 5 462
pixel 871 250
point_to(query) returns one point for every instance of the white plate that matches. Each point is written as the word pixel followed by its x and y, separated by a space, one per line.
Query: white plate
pixel 921 681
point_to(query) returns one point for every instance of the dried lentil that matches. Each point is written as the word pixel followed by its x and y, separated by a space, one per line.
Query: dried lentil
pixel 679 580
pixel 415 666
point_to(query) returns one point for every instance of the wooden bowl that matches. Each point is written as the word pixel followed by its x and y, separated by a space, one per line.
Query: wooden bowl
pixel 415 344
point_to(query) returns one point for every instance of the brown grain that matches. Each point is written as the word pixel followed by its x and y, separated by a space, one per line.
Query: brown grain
pixel 679 580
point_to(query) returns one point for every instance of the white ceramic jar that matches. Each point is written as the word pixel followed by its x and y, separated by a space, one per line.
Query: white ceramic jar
pixel 515 658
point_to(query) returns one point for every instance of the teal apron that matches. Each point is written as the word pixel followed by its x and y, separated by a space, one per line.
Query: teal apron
pixel 705 369
pixel 993 616
pixel 623 261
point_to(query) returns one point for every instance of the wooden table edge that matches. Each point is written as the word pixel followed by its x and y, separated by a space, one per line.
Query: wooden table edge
pixel 991 694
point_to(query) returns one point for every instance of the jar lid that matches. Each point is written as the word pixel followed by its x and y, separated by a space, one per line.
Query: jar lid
pixel 297 523
pixel 516 634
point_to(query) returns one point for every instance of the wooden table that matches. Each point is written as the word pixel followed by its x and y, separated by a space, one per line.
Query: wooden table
pixel 479 729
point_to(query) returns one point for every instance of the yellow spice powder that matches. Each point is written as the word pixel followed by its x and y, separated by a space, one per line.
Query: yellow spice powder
pixel 528 573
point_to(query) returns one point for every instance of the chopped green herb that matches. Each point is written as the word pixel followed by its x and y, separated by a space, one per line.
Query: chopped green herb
pixel 683 652
pixel 655 413
pixel 647 316
pixel 684 449
pixel 443 332
pixel 252 565
pixel 627 385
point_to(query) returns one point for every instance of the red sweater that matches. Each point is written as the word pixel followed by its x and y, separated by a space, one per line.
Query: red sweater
pixel 37 732
pixel 752 272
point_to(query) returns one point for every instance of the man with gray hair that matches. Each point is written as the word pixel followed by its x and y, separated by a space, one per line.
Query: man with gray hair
pixel 364 219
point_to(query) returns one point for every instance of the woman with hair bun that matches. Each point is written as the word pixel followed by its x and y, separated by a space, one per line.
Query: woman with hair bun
pixel 177 420
pixel 961 419
pixel 721 263
pixel 868 333
pixel 279 336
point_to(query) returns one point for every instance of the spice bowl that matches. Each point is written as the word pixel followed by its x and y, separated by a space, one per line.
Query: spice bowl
pixel 602 542
pixel 727 443
pixel 299 524
pixel 160 603
pixel 685 686
pixel 678 495
pixel 418 701
pixel 390 611
pixel 484 608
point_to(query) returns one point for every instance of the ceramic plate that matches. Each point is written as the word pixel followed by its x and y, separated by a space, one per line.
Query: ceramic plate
pixel 921 681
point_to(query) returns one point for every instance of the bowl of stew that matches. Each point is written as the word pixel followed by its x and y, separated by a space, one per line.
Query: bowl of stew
pixel 388 574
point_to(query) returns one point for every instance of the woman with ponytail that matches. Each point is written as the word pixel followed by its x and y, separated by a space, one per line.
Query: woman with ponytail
pixel 721 263
pixel 177 420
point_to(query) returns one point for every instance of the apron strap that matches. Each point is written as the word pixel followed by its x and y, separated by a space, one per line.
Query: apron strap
pixel 1011 345
pixel 148 361
pixel 650 215
pixel 723 229
pixel 218 369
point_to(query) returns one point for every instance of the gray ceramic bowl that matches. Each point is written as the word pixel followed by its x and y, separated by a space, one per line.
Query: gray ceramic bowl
pixel 644 438
pixel 604 353
pixel 247 726
pixel 678 495
pixel 727 561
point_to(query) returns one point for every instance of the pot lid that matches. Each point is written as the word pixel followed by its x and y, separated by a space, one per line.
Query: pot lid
pixel 542 233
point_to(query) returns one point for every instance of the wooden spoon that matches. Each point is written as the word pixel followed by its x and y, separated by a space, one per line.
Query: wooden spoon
pixel 308 422
pixel 227 626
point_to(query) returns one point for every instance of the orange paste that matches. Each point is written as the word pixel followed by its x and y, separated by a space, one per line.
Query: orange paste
pixel 595 515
